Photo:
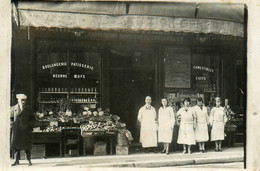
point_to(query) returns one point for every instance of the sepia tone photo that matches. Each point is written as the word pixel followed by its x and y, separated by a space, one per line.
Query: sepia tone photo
pixel 128 84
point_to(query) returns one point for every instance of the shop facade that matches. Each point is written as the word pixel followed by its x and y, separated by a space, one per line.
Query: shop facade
pixel 114 61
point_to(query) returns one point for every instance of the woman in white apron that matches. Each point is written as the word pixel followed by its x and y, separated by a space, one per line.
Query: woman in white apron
pixel 218 121
pixel 166 121
pixel 201 131
pixel 187 126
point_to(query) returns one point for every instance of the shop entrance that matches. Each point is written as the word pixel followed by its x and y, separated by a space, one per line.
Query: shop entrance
pixel 129 84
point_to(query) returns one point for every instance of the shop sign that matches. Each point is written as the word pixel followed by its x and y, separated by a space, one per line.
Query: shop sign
pixel 201 78
pixel 202 68
pixel 73 64
pixel 109 22
pixel 66 76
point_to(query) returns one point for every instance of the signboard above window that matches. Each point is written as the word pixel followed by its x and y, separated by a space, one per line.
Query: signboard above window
pixel 177 68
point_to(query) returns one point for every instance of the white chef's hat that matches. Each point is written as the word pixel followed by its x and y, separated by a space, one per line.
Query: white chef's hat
pixel 21 96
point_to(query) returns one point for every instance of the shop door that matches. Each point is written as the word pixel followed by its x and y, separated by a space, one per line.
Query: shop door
pixel 128 89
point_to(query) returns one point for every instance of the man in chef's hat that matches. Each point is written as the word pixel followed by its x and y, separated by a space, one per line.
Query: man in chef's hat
pixel 22 122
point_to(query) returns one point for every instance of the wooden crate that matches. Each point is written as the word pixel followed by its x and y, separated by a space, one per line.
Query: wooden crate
pixel 122 149
pixel 37 152
pixel 100 149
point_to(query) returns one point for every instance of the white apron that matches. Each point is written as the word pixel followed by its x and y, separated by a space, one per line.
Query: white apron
pixel 218 119
pixel 148 132
pixel 201 131
pixel 186 130
pixel 166 124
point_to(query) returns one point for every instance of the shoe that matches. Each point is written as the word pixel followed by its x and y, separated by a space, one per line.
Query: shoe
pixel 219 149
pixel 189 152
pixel 184 152
pixel 15 163
pixel 167 152
pixel 29 163
pixel 216 149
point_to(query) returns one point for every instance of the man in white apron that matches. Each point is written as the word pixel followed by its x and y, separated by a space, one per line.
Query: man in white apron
pixel 148 131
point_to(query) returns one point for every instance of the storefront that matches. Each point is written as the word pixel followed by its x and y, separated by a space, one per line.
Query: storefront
pixel 117 53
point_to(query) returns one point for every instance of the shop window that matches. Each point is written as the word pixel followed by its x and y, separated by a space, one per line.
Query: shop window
pixel 68 74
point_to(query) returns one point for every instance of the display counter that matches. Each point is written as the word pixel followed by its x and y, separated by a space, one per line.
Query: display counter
pixel 48 138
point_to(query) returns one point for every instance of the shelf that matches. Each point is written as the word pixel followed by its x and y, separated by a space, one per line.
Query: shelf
pixel 72 102
pixel 84 93
pixel 43 92
pixel 86 102
pixel 70 92
pixel 47 102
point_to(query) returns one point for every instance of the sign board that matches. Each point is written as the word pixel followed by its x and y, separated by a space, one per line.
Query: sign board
pixel 177 68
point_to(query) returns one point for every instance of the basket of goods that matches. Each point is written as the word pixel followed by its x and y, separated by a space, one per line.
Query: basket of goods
pixel 91 128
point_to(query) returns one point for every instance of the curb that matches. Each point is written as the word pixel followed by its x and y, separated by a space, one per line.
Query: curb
pixel 220 160
pixel 172 162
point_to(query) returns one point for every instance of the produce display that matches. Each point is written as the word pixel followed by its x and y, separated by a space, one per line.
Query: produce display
pixel 95 120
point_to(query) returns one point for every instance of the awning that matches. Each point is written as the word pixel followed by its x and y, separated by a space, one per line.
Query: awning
pixel 122 16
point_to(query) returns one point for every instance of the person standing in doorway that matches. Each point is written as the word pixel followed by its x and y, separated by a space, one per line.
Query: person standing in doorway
pixel 218 121
pixel 148 130
pixel 166 121
pixel 22 121
pixel 187 126
pixel 201 131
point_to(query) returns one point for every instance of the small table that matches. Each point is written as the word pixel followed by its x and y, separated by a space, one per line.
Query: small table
pixel 47 137
pixel 109 136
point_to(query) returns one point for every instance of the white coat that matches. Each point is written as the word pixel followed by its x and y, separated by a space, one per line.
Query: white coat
pixel 148 131
pixel 166 121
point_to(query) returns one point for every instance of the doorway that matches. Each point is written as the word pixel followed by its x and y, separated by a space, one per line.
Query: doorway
pixel 129 85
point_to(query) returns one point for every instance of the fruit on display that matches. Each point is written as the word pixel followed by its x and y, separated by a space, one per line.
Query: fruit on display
pixel 52 129
pixel 89 113
pixel 84 113
pixel 95 113
pixel 101 113
pixel 88 119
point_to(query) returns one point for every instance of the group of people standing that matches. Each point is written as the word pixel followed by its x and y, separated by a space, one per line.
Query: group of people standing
pixel 193 125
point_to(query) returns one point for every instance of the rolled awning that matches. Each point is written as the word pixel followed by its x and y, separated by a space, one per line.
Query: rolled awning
pixel 120 16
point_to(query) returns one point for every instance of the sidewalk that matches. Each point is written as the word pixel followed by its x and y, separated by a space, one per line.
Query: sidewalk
pixel 228 155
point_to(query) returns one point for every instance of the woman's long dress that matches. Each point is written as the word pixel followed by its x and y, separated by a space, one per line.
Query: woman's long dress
pixel 218 120
pixel 186 130
pixel 148 132
pixel 201 131
pixel 166 124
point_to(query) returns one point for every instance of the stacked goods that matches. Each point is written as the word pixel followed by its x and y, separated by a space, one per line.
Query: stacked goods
pixel 124 138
